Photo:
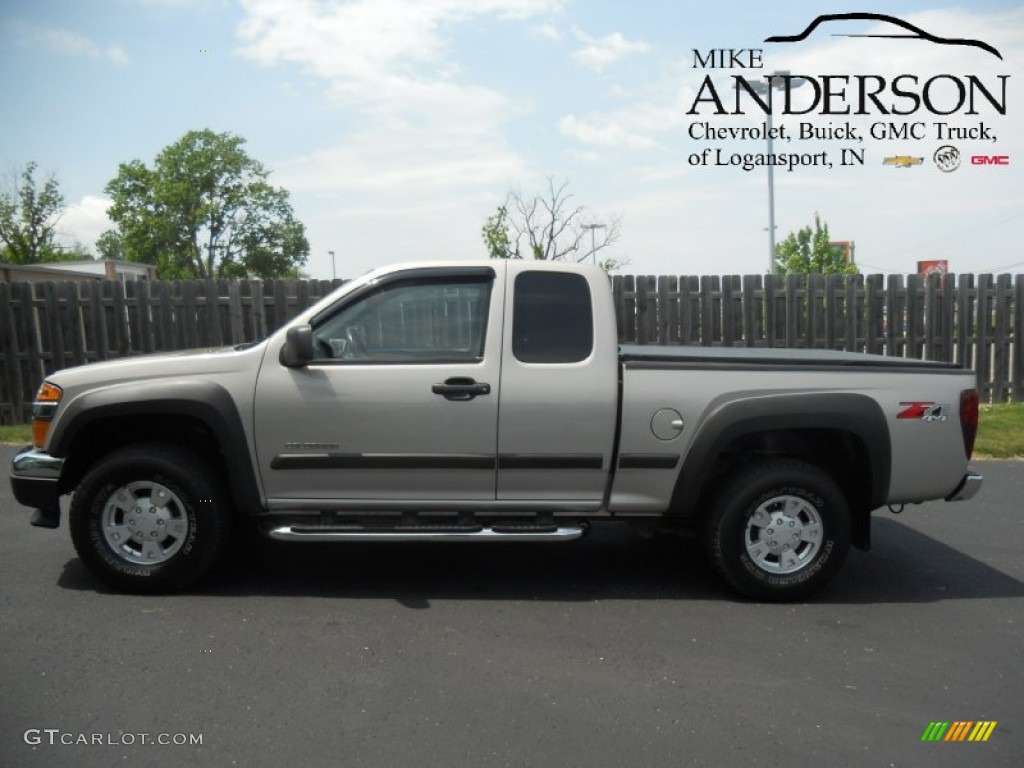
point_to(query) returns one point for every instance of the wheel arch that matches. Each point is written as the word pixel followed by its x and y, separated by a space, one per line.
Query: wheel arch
pixel 198 415
pixel 842 433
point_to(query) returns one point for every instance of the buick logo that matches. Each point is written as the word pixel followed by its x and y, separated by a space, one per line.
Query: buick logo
pixel 947 158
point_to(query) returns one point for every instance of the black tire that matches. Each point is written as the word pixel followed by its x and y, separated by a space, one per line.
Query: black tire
pixel 778 529
pixel 150 518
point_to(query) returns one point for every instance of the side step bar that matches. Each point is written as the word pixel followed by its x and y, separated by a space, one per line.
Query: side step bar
pixel 426 533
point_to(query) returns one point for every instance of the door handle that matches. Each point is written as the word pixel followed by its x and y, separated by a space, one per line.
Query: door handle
pixel 460 388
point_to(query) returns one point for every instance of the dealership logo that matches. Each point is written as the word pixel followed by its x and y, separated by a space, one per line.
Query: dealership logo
pixel 902 161
pixel 943 94
pixel 959 730
pixel 915 33
pixel 990 159
pixel 947 158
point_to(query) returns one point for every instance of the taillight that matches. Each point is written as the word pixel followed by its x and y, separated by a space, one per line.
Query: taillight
pixel 969 419
pixel 45 405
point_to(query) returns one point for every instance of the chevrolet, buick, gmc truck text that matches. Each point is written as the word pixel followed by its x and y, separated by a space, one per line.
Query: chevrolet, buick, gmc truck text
pixel 490 402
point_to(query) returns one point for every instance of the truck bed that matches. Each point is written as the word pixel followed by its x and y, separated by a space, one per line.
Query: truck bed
pixel 761 357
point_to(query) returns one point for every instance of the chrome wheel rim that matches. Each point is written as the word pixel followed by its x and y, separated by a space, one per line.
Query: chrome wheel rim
pixel 144 523
pixel 784 534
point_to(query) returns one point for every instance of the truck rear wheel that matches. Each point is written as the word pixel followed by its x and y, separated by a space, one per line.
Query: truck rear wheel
pixel 149 518
pixel 778 529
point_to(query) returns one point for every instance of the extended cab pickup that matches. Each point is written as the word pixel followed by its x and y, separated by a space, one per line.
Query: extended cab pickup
pixel 490 402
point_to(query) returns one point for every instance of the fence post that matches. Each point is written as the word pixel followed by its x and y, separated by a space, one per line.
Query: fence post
pixel 873 332
pixel 770 289
pixel 983 355
pixel 915 317
pixel 1018 339
pixel 752 336
pixel 1001 340
pixel 10 362
pixel 793 292
pixel 33 342
pixel 708 289
pixel 668 309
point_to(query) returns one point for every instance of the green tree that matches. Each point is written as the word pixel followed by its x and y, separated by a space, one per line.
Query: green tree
pixel 549 228
pixel 496 235
pixel 807 251
pixel 110 246
pixel 205 210
pixel 77 251
pixel 28 219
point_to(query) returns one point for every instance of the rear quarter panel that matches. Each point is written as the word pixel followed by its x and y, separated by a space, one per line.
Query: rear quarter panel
pixel 927 455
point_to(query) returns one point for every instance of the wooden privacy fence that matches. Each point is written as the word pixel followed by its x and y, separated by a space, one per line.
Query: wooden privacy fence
pixel 972 320
pixel 48 326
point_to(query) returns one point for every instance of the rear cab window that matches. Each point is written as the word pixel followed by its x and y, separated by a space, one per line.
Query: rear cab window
pixel 553 320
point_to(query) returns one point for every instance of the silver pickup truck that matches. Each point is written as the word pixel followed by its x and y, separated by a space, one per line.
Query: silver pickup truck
pixel 490 402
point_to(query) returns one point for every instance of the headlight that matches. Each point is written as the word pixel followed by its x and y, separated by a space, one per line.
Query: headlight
pixel 45 405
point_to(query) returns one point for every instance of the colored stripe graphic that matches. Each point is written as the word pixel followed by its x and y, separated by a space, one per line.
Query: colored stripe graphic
pixel 982 730
pixel 959 730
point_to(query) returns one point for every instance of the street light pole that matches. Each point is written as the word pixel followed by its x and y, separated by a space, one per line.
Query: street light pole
pixel 334 269
pixel 593 242
pixel 771 201
pixel 764 89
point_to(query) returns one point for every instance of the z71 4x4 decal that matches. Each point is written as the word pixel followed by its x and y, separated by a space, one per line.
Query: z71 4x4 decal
pixel 925 411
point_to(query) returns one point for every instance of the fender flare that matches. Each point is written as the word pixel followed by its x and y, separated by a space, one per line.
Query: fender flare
pixel 855 414
pixel 204 401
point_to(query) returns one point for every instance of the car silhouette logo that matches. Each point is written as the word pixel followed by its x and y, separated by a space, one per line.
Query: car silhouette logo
pixel 914 32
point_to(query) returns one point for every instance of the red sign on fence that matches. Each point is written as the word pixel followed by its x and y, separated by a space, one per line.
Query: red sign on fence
pixel 934 267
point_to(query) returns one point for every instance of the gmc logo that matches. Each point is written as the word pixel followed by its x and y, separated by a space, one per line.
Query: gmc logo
pixel 990 159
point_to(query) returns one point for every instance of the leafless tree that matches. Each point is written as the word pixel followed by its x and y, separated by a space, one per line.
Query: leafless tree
pixel 550 228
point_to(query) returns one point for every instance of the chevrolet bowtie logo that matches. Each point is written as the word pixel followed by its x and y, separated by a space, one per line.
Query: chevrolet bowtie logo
pixel 903 161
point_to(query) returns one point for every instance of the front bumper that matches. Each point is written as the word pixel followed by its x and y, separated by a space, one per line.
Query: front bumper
pixel 968 487
pixel 35 476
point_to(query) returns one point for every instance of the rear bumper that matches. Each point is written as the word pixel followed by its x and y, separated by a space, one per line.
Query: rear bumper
pixel 968 487
pixel 34 480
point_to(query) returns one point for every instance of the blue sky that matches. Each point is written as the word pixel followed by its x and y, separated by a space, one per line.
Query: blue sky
pixel 399 125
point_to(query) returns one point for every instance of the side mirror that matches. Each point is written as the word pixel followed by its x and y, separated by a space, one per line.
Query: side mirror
pixel 298 346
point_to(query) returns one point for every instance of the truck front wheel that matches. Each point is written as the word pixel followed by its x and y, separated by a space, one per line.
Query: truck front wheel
pixel 778 529
pixel 149 518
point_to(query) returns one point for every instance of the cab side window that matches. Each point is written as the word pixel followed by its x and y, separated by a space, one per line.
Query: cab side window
pixel 553 319
pixel 413 321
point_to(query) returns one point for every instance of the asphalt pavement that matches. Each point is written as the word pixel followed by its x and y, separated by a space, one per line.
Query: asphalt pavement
pixel 610 651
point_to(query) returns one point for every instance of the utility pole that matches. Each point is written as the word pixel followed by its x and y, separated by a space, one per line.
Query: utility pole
pixel 778 80
pixel 593 241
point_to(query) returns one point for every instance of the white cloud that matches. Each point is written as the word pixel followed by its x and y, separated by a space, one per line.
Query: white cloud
pixel 606 133
pixel 173 4
pixel 374 52
pixel 549 31
pixel 597 53
pixel 422 126
pixel 66 41
pixel 85 221
pixel 421 148
pixel 408 161
pixel 636 126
